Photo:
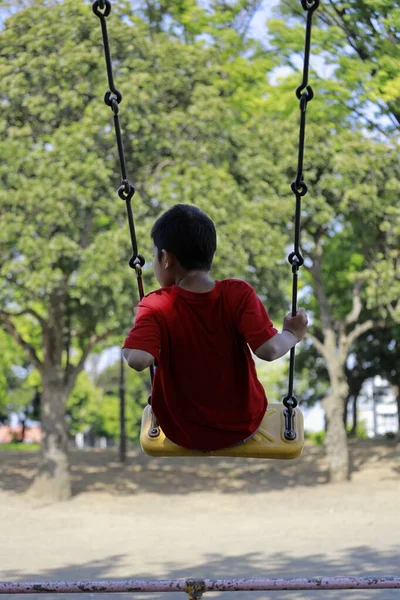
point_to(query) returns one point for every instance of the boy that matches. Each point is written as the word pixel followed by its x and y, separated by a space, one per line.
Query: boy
pixel 206 394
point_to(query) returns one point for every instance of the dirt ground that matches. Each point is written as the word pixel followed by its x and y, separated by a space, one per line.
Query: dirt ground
pixel 214 518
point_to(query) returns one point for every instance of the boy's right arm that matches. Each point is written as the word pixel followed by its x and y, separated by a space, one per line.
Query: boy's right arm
pixel 143 343
pixel 294 329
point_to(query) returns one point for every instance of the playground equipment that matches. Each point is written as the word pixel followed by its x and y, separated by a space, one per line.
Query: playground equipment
pixel 282 433
pixel 195 588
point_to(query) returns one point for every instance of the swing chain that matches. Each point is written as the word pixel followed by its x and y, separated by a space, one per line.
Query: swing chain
pixel 113 98
pixel 299 188
pixel 126 190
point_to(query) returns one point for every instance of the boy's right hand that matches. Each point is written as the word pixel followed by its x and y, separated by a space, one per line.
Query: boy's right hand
pixel 296 325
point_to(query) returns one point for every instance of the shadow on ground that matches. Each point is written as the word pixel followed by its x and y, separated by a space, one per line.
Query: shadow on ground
pixel 100 471
pixel 358 562
pixel 375 454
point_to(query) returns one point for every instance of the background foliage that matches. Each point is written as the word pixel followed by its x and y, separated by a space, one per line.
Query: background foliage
pixel 209 117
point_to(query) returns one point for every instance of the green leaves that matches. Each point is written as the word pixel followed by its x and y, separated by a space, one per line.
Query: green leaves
pixel 191 124
pixel 11 357
pixel 107 409
pixel 359 40
pixel 204 121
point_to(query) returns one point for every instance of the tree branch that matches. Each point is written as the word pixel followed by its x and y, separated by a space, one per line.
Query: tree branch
pixel 10 328
pixel 352 34
pixel 357 305
pixel 160 166
pixel 21 286
pixel 394 311
pixel 359 330
pixel 368 121
pixel 26 311
pixel 73 370
pixel 319 345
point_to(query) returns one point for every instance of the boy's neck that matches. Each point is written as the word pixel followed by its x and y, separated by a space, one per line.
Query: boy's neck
pixel 195 281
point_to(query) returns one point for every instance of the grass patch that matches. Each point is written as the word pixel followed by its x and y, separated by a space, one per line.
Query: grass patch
pixel 20 446
pixel 316 438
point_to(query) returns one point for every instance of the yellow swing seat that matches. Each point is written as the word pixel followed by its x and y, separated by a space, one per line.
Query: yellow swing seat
pixel 268 442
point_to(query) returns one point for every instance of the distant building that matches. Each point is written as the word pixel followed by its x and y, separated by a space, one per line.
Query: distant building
pixel 86 439
pixel 377 408
pixel 9 434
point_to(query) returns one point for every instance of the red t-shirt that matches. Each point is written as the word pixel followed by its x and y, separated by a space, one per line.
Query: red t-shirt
pixel 206 394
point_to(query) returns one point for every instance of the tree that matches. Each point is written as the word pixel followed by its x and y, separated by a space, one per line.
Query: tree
pixel 359 42
pixel 355 206
pixel 353 185
pixel 64 284
pixel 342 252
pixel 55 214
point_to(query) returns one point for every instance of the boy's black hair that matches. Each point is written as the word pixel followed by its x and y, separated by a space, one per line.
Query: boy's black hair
pixel 189 234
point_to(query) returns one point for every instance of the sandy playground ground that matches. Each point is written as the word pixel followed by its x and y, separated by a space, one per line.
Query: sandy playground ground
pixel 214 518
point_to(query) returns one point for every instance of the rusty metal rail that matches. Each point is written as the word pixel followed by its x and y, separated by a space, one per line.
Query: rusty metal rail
pixel 195 588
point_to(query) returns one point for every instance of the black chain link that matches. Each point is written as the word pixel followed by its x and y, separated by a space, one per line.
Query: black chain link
pixel 299 188
pixel 113 98
pixel 126 191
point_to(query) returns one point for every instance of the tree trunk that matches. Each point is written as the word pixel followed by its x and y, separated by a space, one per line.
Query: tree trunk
pixel 355 416
pixel 398 413
pixel 335 347
pixel 336 436
pixel 52 481
pixel 23 429
pixel 122 435
pixel 346 411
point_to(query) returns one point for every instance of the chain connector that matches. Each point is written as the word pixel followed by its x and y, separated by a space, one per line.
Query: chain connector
pixel 296 260
pixel 299 187
pixel 101 8
pixel 305 93
pixel 195 588
pixel 290 403
pixel 154 430
pixel 137 262
pixel 126 190
pixel 290 432
pixel 112 96
pixel 310 5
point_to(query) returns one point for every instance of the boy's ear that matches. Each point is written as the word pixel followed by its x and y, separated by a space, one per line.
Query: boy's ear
pixel 169 259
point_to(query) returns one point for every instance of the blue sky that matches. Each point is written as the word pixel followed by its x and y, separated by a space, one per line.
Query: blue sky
pixel 258 25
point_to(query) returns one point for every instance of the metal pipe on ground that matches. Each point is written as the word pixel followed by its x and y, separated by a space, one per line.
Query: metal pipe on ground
pixel 195 588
